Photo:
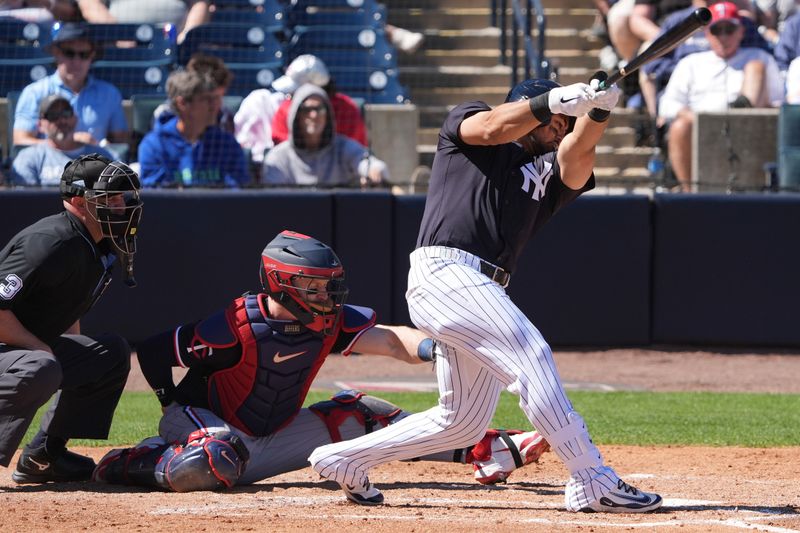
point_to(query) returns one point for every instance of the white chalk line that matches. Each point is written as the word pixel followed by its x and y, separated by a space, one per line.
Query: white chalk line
pixel 245 509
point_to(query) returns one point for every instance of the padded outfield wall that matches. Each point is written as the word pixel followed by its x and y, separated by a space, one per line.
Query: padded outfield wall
pixel 607 271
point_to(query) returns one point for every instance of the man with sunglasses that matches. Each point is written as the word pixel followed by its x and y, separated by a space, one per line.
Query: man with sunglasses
pixel 42 164
pixel 727 76
pixel 236 418
pixel 51 274
pixel 97 104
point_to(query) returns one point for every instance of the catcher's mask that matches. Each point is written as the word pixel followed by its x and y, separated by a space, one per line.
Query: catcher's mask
pixel 527 89
pixel 111 191
pixel 305 276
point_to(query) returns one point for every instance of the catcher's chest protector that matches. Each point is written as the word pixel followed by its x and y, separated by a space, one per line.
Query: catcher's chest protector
pixel 265 390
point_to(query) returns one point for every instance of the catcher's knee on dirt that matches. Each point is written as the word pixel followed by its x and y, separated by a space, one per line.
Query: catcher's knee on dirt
pixel 207 461
pixel 369 411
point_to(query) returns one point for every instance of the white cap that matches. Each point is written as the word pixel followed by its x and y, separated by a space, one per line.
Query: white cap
pixel 305 68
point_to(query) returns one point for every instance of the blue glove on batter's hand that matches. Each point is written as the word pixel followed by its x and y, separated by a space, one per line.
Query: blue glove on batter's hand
pixel 574 100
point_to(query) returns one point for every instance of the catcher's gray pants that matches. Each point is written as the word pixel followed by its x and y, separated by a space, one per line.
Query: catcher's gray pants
pixel 281 452
pixel 88 375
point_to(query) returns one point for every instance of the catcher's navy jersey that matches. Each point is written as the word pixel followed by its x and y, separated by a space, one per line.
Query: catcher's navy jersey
pixel 252 371
pixel 503 195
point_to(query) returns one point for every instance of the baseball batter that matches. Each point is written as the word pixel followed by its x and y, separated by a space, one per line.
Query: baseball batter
pixel 236 417
pixel 498 176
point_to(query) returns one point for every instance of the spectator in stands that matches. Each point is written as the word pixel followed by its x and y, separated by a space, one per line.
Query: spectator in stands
pixel 723 77
pixel 772 16
pixel 97 104
pixel 788 45
pixel 311 69
pixel 215 68
pixel 315 154
pixel 654 76
pixel 190 150
pixel 793 82
pixel 43 163
pixel 45 11
pixel 262 110
pixel 182 14
pixel 406 41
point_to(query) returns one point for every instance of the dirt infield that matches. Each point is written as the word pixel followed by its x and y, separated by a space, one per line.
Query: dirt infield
pixel 705 489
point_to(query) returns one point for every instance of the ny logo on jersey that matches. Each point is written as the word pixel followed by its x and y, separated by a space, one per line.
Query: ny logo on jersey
pixel 10 286
pixel 537 173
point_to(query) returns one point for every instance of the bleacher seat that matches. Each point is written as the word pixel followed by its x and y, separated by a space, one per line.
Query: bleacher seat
pixel 344 46
pixel 24 56
pixel 249 12
pixel 254 54
pixel 311 13
pixel 372 86
pixel 134 78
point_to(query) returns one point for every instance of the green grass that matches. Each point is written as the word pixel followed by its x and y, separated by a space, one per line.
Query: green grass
pixel 638 418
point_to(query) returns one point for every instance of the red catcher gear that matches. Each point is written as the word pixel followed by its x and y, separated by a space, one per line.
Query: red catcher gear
pixel 288 259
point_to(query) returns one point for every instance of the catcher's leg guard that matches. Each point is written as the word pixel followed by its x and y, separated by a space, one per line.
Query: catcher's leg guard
pixel 368 410
pixel 206 462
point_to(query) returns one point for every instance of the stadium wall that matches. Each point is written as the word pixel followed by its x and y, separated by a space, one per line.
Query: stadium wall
pixel 608 270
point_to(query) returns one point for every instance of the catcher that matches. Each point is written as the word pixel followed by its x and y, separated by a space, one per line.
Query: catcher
pixel 236 416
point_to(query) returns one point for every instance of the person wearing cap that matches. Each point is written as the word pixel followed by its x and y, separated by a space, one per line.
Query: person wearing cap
pixel 315 154
pixel 726 76
pixel 261 121
pixel 189 149
pixel 51 274
pixel 97 104
pixel 41 164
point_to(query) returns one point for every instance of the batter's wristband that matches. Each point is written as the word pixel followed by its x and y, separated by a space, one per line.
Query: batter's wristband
pixel 425 350
pixel 599 115
pixel 540 108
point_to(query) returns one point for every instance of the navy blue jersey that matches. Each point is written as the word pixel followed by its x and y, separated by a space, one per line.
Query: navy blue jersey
pixel 489 200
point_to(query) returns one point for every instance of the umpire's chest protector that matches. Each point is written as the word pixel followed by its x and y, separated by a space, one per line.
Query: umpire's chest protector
pixel 267 387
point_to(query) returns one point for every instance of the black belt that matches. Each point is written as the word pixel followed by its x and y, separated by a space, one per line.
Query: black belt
pixel 495 273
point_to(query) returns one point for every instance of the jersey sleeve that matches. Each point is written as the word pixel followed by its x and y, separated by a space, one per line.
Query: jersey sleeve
pixel 355 321
pixel 207 345
pixel 452 124
pixel 32 263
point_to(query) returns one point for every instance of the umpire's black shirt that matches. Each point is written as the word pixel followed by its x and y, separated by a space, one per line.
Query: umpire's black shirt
pixel 489 200
pixel 51 273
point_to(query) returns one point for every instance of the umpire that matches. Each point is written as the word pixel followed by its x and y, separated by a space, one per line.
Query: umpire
pixel 51 273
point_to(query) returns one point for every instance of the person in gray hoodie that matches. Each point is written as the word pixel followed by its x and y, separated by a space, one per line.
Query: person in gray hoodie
pixel 314 154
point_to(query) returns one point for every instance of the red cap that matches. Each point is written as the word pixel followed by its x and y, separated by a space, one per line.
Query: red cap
pixel 724 12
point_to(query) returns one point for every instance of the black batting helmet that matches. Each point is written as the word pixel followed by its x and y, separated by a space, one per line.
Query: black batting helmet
pixel 112 188
pixel 527 89
pixel 292 256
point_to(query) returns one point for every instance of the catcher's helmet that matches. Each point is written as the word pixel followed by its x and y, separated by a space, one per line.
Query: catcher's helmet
pixel 112 189
pixel 305 276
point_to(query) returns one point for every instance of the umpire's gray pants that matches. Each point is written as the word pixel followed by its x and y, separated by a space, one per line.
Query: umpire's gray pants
pixel 86 373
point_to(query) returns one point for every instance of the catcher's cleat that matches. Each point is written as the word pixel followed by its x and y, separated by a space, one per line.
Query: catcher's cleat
pixel 625 499
pixel 365 494
pixel 501 452
pixel 36 466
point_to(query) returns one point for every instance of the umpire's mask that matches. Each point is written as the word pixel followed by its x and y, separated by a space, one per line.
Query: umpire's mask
pixel 111 191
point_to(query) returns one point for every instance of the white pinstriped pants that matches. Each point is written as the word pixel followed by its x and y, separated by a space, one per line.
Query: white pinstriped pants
pixel 489 345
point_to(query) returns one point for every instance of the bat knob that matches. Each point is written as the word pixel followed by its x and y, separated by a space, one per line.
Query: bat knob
pixel 702 15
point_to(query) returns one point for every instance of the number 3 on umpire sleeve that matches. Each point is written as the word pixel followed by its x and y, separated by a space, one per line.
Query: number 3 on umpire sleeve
pixel 10 286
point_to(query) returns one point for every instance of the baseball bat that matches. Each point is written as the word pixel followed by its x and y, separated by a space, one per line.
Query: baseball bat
pixel 697 19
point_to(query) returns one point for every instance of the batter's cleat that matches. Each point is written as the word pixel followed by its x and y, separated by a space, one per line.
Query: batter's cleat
pixel 625 499
pixel 365 494
pixel 501 452
pixel 36 466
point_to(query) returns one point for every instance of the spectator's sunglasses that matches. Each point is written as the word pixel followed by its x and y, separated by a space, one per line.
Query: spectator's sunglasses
pixel 723 28
pixel 321 109
pixel 52 116
pixel 69 53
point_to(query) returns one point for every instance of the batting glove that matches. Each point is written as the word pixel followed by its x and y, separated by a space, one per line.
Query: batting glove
pixel 607 98
pixel 574 100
